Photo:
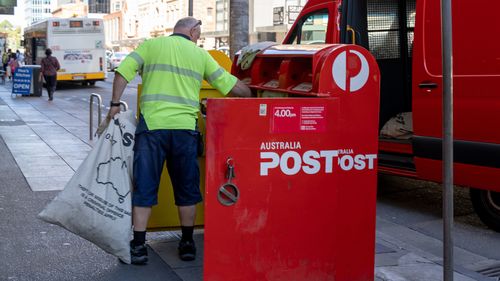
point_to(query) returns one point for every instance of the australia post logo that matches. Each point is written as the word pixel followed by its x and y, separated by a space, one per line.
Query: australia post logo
pixel 353 63
pixel 290 159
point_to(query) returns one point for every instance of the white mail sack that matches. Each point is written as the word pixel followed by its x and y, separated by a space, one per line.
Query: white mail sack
pixel 96 203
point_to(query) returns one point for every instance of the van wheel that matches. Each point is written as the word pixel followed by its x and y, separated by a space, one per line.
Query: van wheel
pixel 486 203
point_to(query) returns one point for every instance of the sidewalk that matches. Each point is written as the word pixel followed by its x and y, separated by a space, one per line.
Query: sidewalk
pixel 49 140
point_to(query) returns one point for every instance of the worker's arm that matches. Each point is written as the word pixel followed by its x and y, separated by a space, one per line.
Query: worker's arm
pixel 119 85
pixel 240 90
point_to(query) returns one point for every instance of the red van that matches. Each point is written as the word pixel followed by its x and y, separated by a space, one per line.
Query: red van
pixel 405 38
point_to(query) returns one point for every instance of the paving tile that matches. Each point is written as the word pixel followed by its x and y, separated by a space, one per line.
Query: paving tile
pixel 46 170
pixel 50 130
pixel 26 160
pixel 37 153
pixel 76 155
pixel 167 250
pixel 389 259
pixel 47 183
pixel 64 142
pixel 75 164
pixel 38 122
pixel 71 148
pixel 36 148
pixel 17 131
pixel 190 273
pixel 7 113
pixel 21 139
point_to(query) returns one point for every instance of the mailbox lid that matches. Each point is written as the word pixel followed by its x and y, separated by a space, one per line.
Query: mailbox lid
pixel 294 50
pixel 295 200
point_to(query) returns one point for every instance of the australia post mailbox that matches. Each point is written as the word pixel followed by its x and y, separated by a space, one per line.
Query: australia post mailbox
pixel 291 180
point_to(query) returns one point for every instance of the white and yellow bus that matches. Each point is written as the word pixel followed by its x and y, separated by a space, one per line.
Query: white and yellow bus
pixel 78 44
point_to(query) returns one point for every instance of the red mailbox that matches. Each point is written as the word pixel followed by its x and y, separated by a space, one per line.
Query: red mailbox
pixel 291 181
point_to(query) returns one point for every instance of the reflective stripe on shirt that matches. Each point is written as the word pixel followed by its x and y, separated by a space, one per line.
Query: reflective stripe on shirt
pixel 169 98
pixel 212 77
pixel 137 58
pixel 173 69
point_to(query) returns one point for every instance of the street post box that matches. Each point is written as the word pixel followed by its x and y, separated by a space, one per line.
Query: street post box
pixel 291 175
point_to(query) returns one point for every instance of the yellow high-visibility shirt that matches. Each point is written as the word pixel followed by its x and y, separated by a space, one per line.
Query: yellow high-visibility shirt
pixel 172 70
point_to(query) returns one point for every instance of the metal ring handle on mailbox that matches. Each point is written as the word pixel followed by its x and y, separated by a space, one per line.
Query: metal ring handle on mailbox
pixel 228 193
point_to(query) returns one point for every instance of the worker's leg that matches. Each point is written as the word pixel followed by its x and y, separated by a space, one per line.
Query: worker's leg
pixel 148 164
pixel 187 215
pixel 140 217
pixel 182 164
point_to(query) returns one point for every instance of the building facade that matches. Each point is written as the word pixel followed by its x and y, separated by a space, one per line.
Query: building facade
pixel 94 6
pixel 69 9
pixel 99 6
pixel 268 20
pixel 37 10
pixel 121 26
pixel 131 22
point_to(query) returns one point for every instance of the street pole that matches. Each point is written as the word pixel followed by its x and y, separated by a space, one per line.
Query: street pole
pixel 190 8
pixel 446 38
pixel 238 25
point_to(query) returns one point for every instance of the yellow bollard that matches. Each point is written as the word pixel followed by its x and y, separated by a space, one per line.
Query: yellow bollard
pixel 164 215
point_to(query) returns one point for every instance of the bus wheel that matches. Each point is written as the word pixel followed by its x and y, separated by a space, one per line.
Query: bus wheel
pixel 92 83
pixel 486 203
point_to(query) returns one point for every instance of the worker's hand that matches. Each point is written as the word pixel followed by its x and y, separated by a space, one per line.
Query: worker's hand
pixel 113 111
pixel 103 126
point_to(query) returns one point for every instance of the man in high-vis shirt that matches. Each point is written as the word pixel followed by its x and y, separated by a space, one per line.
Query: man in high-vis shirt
pixel 172 69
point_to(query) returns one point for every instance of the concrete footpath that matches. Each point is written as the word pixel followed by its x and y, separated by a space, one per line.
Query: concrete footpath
pixel 42 144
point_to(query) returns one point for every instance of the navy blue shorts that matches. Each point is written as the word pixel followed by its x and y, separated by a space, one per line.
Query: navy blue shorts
pixel 179 149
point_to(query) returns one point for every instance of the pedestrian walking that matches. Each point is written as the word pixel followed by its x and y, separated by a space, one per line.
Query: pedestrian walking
pixel 13 64
pixel 20 57
pixel 2 71
pixel 172 69
pixel 5 59
pixel 50 66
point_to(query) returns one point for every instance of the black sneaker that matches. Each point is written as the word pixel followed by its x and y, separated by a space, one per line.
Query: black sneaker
pixel 138 254
pixel 187 250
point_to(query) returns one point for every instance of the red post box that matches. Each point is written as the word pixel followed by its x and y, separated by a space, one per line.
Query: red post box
pixel 291 180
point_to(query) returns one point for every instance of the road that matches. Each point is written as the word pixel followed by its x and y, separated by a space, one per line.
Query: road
pixel 417 206
pixel 414 205
pixel 79 93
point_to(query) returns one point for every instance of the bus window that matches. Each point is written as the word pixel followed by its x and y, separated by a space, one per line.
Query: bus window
pixel 40 45
pixel 312 29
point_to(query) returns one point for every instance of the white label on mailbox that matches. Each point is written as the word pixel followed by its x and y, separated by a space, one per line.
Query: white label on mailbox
pixel 272 84
pixel 303 87
pixel 263 110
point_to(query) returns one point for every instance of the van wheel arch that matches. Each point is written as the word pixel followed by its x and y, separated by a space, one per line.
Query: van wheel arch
pixel 486 203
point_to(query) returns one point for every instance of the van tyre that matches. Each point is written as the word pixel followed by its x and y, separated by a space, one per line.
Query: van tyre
pixel 486 203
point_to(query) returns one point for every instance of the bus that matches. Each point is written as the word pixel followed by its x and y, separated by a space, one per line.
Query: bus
pixel 78 44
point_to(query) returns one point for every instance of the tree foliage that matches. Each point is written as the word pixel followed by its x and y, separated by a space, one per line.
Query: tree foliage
pixel 13 34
